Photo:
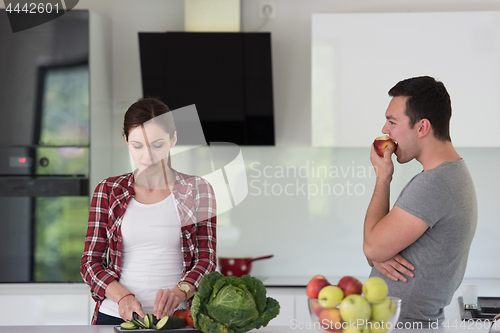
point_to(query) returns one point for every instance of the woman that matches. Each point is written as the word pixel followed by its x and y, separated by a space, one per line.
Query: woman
pixel 157 224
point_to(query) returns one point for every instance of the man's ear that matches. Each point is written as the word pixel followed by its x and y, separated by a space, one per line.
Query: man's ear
pixel 424 127
pixel 173 139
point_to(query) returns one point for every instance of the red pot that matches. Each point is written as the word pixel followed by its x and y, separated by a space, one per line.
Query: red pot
pixel 237 266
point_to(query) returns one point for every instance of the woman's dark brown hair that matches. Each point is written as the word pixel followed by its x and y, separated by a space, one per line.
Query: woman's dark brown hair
pixel 147 109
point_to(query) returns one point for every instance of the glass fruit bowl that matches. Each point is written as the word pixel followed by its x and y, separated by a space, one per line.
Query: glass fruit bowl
pixel 355 315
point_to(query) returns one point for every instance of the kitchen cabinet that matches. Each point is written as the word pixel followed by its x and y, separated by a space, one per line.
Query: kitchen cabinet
pixel 347 45
pixel 287 299
pixel 71 304
pixel 58 73
pixel 45 304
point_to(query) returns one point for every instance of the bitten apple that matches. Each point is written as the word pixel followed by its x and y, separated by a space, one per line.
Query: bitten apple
pixel 350 285
pixel 330 296
pixel 314 286
pixel 375 289
pixel 330 320
pixel 381 143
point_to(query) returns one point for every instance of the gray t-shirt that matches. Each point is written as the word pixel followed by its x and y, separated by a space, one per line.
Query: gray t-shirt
pixel 445 198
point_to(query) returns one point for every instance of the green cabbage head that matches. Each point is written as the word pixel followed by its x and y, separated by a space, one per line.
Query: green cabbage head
pixel 231 304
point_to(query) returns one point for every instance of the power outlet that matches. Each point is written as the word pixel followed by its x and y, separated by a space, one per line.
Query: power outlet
pixel 267 10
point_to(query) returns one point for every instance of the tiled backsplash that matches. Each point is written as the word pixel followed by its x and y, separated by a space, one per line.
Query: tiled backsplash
pixel 307 205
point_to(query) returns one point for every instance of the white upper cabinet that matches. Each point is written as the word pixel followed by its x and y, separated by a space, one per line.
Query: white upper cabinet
pixel 357 58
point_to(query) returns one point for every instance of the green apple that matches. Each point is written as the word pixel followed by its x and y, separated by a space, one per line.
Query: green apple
pixel 354 328
pixel 330 296
pixel 355 307
pixel 383 310
pixel 375 289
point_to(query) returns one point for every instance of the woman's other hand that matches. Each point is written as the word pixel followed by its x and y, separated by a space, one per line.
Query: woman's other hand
pixel 167 300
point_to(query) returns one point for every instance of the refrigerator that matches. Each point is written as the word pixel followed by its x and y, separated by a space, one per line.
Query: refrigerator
pixel 44 149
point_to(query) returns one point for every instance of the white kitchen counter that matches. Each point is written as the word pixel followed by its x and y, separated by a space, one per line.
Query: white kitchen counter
pixel 487 287
pixel 296 281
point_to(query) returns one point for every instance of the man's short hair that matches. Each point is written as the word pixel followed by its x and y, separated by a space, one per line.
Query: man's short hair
pixel 427 99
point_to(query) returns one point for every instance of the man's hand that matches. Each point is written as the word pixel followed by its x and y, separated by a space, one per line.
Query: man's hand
pixel 395 267
pixel 384 167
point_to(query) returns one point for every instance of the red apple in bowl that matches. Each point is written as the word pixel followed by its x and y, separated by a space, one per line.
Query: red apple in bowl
pixel 314 286
pixel 350 285
pixel 381 143
pixel 330 320
pixel 316 307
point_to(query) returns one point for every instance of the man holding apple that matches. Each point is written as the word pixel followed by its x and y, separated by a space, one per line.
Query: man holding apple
pixel 420 246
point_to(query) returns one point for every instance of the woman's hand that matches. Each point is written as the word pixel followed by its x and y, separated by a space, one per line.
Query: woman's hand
pixel 395 267
pixel 167 300
pixel 128 306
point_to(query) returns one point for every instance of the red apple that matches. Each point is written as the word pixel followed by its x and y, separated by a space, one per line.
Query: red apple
pixel 330 320
pixel 315 285
pixel 381 143
pixel 350 285
pixel 316 307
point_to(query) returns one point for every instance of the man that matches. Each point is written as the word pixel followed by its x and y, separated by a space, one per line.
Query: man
pixel 427 235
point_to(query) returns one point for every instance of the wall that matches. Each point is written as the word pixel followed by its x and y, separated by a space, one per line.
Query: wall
pixel 294 228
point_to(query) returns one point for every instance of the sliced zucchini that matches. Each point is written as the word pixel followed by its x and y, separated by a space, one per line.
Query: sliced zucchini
pixel 147 322
pixel 170 323
pixel 128 325
pixel 139 323
pixel 153 320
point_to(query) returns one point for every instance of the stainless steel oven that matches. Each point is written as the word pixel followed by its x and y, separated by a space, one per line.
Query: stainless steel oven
pixel 44 149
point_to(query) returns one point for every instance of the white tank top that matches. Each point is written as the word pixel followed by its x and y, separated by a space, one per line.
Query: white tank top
pixel 151 252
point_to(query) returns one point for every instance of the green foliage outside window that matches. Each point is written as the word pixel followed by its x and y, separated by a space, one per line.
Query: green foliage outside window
pixel 59 238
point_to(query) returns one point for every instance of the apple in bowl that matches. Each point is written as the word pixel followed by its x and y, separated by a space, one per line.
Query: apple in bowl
pixel 356 314
pixel 315 285
pixel 330 296
pixel 350 285
pixel 371 311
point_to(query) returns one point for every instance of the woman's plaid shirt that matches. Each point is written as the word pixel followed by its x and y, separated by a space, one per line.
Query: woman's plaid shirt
pixel 195 200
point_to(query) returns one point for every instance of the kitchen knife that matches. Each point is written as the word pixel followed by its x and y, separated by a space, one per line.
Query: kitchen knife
pixel 137 317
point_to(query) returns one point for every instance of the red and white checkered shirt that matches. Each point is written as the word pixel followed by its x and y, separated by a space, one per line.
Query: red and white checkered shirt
pixel 195 201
